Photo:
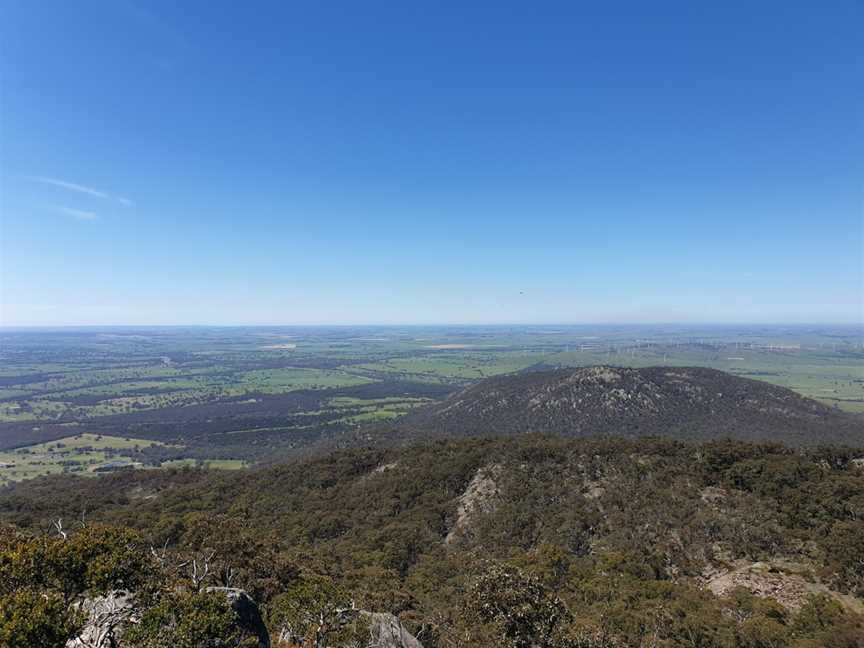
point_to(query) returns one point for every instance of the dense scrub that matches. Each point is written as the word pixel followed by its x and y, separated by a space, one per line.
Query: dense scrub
pixel 625 541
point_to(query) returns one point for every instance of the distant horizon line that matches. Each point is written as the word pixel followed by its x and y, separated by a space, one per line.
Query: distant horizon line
pixel 854 324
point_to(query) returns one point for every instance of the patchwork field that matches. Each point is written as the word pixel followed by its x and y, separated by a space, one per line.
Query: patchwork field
pixel 92 454
pixel 84 453
pixel 276 381
pixel 246 395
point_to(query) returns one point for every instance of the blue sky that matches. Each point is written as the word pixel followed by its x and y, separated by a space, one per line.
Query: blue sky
pixel 418 162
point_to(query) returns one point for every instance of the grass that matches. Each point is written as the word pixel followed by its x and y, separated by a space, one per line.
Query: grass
pixel 373 410
pixel 277 381
pixel 214 464
pixel 454 365
pixel 83 453
pixel 348 401
pixel 375 416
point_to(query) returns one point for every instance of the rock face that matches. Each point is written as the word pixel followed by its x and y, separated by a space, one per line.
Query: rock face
pixel 388 632
pixel 247 612
pixel 775 580
pixel 385 631
pixel 477 498
pixel 106 616
pixel 691 403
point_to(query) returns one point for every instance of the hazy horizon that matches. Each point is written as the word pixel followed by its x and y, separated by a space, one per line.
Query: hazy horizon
pixel 384 325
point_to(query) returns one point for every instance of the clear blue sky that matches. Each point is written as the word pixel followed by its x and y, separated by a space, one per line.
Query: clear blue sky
pixel 405 162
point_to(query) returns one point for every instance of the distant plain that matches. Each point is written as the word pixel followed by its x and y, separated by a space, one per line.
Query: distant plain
pixel 230 397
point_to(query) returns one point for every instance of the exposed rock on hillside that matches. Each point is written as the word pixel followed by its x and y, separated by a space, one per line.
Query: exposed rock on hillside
pixel 388 632
pixel 105 618
pixel 683 402
pixel 248 614
pixel 477 498
pixel 778 581
pixel 385 631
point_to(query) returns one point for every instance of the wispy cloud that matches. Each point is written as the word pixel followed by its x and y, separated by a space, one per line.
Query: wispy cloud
pixel 74 186
pixel 77 214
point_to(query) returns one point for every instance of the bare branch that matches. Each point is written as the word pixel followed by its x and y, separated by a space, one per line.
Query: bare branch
pixel 58 525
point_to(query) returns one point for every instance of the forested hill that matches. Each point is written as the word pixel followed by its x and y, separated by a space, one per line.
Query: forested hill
pixel 641 542
pixel 692 403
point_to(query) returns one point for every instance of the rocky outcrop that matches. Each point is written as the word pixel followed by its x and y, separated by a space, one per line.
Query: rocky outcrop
pixel 385 631
pixel 248 614
pixel 106 617
pixel 784 582
pixel 388 632
pixel 477 498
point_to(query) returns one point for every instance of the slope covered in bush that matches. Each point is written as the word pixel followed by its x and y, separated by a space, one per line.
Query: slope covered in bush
pixel 638 540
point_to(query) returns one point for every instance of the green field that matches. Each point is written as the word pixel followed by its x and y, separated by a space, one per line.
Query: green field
pixel 244 395
pixel 374 410
pixel 84 453
pixel 289 379
pixel 461 364
pixel 115 373
pixel 210 464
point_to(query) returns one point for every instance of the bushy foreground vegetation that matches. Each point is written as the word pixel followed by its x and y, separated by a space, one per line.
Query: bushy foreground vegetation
pixel 593 542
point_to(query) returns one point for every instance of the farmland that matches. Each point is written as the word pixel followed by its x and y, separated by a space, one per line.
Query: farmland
pixel 249 395
pixel 82 453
